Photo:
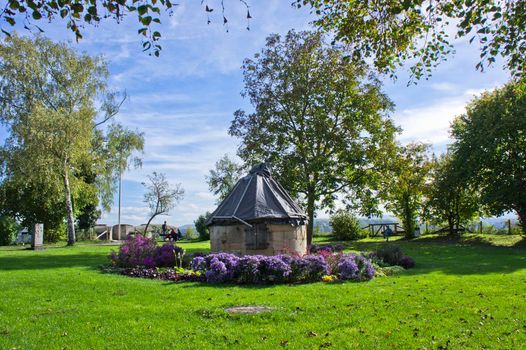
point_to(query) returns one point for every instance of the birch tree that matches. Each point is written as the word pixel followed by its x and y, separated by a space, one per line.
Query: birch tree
pixel 48 96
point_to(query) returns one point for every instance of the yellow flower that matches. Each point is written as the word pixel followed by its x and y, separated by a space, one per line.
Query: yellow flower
pixel 328 278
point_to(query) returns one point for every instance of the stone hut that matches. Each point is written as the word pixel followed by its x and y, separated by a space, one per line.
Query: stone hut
pixel 125 231
pixel 258 217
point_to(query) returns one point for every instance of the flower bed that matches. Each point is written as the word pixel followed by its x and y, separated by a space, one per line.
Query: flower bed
pixel 391 255
pixel 259 269
pixel 141 257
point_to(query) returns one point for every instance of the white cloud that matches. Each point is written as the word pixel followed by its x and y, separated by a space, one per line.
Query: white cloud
pixel 444 86
pixel 431 123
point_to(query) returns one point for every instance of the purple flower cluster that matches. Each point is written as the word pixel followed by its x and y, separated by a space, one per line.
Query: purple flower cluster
pixel 260 269
pixel 355 267
pixel 310 268
pixel 331 248
pixel 138 250
pixel 406 262
pixel 217 268
pixel 168 255
pixel 273 269
pixel 391 255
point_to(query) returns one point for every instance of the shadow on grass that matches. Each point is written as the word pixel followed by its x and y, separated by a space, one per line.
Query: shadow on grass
pixel 36 261
pixel 456 255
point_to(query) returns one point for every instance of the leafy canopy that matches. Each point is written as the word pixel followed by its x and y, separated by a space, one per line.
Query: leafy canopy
pixel 404 184
pixel 78 13
pixel 47 99
pixel 320 120
pixel 449 199
pixel 393 32
pixel 490 148
pixel 223 177
pixel 55 157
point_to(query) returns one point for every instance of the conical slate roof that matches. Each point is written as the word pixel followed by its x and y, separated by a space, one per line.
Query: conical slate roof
pixel 257 197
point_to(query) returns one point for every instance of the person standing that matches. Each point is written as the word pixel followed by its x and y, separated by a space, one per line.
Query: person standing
pixel 387 233
pixel 164 230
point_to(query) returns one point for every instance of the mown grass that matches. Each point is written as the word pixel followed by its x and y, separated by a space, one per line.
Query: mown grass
pixel 467 293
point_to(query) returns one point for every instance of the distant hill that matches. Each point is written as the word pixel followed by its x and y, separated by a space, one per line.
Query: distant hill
pixel 185 227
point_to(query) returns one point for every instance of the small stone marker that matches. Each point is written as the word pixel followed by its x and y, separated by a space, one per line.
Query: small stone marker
pixel 247 309
pixel 37 242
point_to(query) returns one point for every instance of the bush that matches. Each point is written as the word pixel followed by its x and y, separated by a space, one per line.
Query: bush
pixel 52 235
pixel 217 268
pixel 355 267
pixel 310 268
pixel 248 269
pixel 136 250
pixel 332 248
pixel 259 269
pixel 390 254
pixel 406 262
pixel 345 226
pixel 169 255
pixel 8 230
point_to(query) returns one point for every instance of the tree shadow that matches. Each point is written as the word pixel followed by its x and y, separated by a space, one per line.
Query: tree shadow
pixel 35 261
pixel 456 255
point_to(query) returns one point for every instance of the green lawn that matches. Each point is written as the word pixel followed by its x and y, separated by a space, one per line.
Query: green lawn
pixel 462 294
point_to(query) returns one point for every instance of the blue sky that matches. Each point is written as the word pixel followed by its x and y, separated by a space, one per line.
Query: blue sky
pixel 184 100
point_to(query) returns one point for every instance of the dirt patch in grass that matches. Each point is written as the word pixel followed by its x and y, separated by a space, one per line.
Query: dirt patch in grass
pixel 248 309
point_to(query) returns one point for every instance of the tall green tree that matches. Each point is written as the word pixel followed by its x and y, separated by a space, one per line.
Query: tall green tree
pixel 449 199
pixel 404 185
pixel 320 120
pixel 396 32
pixel 490 146
pixel 200 226
pixel 47 101
pixel 223 177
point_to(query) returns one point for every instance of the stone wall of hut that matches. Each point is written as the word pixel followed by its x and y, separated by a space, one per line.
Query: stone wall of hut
pixel 279 239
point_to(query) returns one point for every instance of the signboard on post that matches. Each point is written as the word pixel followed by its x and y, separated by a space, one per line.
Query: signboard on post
pixel 37 242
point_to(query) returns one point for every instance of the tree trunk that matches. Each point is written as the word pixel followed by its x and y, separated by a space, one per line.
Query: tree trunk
pixel 69 210
pixel 310 212
pixel 148 224
pixel 409 226
pixel 521 212
pixel 451 224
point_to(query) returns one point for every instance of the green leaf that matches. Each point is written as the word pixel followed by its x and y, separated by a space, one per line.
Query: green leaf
pixel 146 20
pixel 143 9
pixel 77 7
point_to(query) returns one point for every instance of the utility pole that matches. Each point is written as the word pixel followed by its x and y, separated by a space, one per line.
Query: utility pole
pixel 120 198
